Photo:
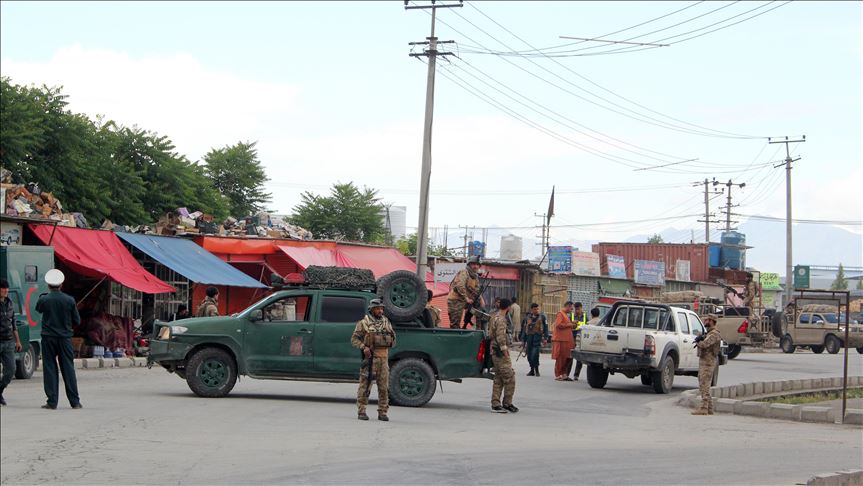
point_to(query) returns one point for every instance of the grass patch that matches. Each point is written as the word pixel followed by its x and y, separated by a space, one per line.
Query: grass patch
pixel 804 398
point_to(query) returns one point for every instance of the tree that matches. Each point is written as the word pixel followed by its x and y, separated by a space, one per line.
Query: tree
pixel 408 246
pixel 860 284
pixel 841 283
pixel 346 214
pixel 236 172
pixel 656 238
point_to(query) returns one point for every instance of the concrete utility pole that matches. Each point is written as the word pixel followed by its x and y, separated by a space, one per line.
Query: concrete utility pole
pixel 543 239
pixel 707 214
pixel 789 278
pixel 728 205
pixel 425 178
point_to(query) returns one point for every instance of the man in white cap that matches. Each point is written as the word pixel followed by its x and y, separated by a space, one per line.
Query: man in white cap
pixel 59 316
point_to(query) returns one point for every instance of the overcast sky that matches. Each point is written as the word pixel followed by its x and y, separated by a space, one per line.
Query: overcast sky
pixel 330 94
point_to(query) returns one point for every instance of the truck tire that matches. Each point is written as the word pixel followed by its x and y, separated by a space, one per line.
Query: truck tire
pixel 663 379
pixel 25 366
pixel 860 350
pixel 734 350
pixel 597 377
pixel 645 379
pixel 776 324
pixel 404 295
pixel 412 382
pixel 817 349
pixel 787 344
pixel 832 344
pixel 211 373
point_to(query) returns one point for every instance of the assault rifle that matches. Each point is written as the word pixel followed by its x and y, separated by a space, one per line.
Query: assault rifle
pixel 474 308
pixel 371 368
pixel 732 290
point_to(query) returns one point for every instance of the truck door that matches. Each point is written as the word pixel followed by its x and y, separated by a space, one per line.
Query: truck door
pixel 634 332
pixel 339 313
pixel 688 357
pixel 615 336
pixel 283 341
pixel 696 329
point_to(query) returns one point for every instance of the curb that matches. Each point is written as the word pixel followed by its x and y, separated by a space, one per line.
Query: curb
pixel 742 399
pixel 103 363
pixel 841 478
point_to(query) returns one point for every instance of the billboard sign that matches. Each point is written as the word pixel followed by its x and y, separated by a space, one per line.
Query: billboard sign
pixel 681 271
pixel 648 272
pixel 616 266
pixel 560 259
pixel 585 263
pixel 770 281
pixel 801 277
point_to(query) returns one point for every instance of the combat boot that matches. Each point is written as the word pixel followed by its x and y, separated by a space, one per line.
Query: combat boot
pixel 710 407
pixel 362 416
pixel 701 410
pixel 531 372
pixel 383 417
pixel 536 372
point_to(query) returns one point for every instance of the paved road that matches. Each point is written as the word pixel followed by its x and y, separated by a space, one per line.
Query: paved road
pixel 145 427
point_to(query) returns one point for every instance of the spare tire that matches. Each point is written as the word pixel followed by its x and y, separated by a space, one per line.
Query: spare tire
pixel 776 324
pixel 404 295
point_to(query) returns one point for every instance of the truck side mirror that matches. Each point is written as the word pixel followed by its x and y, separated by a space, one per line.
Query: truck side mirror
pixel 256 315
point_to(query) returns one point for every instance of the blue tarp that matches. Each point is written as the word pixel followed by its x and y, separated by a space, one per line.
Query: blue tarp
pixel 190 260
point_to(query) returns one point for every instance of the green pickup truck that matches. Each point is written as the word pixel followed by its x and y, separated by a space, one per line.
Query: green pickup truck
pixel 304 334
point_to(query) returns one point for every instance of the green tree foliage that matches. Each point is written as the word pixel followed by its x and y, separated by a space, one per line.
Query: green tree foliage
pixel 408 246
pixel 236 173
pixel 102 170
pixel 656 238
pixel 346 214
pixel 841 283
pixel 860 284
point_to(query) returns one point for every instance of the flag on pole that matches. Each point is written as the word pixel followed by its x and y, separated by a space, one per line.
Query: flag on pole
pixel 550 206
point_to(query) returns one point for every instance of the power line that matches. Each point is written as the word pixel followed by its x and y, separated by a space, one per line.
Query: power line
pixel 480 192
pixel 650 120
pixel 834 222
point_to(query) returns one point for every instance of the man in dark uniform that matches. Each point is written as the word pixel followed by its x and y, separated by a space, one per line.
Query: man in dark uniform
pixel 9 341
pixel 59 315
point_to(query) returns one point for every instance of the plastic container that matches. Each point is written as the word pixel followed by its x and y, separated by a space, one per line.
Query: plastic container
pixel 732 255
pixel 714 253
pixel 98 351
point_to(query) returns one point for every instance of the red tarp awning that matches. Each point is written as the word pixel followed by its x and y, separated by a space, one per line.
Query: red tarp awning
pixel 97 254
pixel 310 255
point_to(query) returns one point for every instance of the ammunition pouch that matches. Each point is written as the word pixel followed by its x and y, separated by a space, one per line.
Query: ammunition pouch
pixel 382 340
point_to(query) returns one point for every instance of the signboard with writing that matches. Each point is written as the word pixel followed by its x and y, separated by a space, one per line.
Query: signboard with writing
pixel 648 272
pixel 770 281
pixel 560 259
pixel 681 271
pixel 585 263
pixel 445 271
pixel 801 277
pixel 616 266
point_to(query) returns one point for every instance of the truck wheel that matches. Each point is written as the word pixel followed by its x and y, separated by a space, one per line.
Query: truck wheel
pixel 211 373
pixel 25 366
pixel 597 377
pixel 412 383
pixel 734 350
pixel 663 379
pixel 860 350
pixel 787 344
pixel 715 379
pixel 776 324
pixel 832 344
pixel 645 379
pixel 817 349
pixel 404 295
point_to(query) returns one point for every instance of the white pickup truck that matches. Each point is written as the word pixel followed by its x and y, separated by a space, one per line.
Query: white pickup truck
pixel 653 341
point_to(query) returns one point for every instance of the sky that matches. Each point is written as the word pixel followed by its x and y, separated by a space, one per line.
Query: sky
pixel 330 94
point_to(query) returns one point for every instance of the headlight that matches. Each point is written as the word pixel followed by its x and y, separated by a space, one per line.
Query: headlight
pixel 178 329
pixel 164 333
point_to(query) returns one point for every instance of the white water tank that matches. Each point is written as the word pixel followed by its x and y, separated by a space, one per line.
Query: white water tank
pixel 510 247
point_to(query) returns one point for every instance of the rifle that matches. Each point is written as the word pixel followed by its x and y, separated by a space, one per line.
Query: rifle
pixel 731 289
pixel 470 309
pixel 371 368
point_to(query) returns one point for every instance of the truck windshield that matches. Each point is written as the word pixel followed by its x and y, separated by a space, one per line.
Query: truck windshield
pixel 831 318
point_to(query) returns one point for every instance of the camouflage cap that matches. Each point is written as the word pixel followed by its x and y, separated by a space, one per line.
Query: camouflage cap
pixel 713 317
pixel 375 303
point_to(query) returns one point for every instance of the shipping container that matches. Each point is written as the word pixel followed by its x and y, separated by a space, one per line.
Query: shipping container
pixel 696 254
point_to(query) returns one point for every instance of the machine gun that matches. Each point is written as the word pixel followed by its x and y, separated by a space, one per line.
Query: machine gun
pixel 732 290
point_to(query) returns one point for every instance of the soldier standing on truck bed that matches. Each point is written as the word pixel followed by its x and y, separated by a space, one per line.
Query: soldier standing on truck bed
pixel 708 356
pixel 750 292
pixel 464 290
pixel 374 336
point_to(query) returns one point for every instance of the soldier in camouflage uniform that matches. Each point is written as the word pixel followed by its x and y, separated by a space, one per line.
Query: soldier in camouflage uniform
pixel 374 335
pixel 504 375
pixel 463 290
pixel 750 292
pixel 708 358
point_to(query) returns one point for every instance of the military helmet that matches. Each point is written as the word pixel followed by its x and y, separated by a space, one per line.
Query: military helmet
pixel 474 259
pixel 375 303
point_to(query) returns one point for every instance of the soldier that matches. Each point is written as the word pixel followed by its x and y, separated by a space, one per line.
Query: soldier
pixel 435 312
pixel 504 375
pixel 10 342
pixel 210 305
pixel 464 290
pixel 708 354
pixel 750 292
pixel 59 316
pixel 374 335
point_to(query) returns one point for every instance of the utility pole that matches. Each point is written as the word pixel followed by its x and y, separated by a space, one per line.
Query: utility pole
pixel 707 215
pixel 464 249
pixel 789 278
pixel 728 205
pixel 543 238
pixel 425 178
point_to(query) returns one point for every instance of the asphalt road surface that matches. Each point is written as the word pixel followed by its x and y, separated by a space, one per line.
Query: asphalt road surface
pixel 144 426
